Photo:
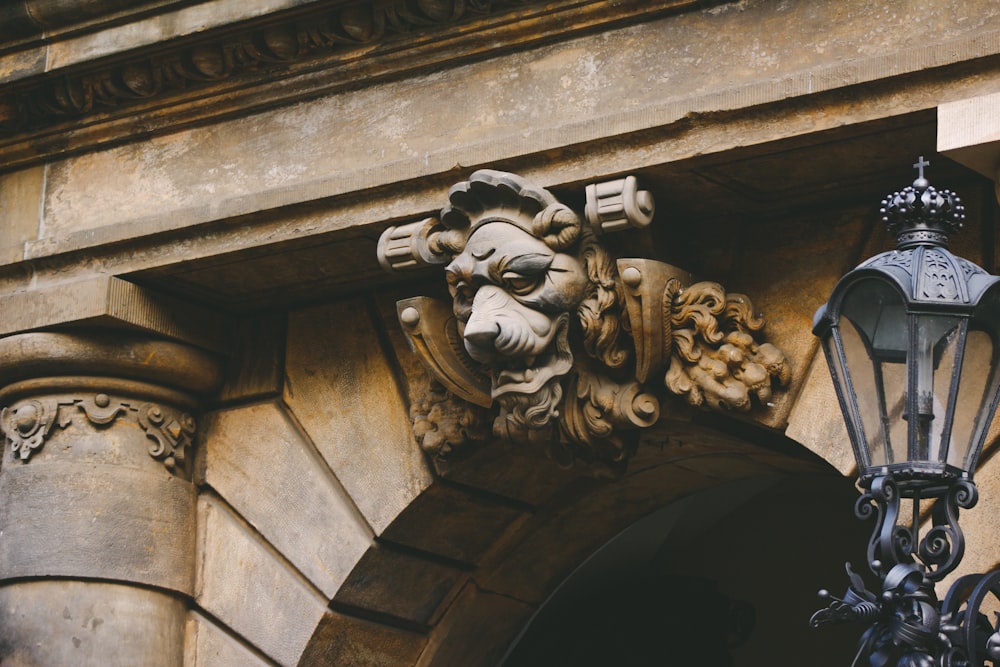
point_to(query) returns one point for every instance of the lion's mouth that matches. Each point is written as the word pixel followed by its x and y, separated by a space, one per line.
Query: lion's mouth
pixel 527 375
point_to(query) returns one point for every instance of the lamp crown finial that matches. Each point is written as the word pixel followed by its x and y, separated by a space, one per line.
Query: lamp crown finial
pixel 921 214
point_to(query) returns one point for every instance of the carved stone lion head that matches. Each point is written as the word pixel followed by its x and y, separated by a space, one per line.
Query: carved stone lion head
pixel 528 284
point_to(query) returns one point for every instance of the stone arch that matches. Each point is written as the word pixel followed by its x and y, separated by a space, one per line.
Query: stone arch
pixel 467 566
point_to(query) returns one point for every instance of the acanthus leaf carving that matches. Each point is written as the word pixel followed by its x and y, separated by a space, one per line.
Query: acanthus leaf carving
pixel 565 346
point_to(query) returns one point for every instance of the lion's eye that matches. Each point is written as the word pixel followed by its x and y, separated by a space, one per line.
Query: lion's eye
pixel 520 284
pixel 464 292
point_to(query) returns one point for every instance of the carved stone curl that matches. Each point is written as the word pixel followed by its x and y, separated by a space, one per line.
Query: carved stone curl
pixel 554 337
pixel 29 422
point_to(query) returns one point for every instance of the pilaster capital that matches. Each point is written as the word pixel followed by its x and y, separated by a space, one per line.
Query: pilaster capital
pixel 95 379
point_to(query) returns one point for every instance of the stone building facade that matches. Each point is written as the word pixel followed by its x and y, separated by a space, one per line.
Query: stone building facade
pixel 239 432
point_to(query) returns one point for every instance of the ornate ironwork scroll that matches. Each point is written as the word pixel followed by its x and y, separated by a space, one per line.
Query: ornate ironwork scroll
pixel 907 625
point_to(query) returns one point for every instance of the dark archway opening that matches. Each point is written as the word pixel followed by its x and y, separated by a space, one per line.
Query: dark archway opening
pixel 724 578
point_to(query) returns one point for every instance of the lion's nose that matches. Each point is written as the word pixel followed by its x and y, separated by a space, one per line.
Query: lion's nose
pixel 481 332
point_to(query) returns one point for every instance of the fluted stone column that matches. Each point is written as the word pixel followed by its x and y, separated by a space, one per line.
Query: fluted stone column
pixel 97 504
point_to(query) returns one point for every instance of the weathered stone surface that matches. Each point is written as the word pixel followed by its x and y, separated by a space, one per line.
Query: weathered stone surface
pixel 578 89
pixel 185 20
pixel 411 588
pixel 251 589
pixel 344 640
pixel 20 198
pixel 117 354
pixel 96 521
pixel 89 624
pixel 106 301
pixel 206 645
pixel 477 630
pixel 256 367
pixel 969 133
pixel 816 420
pixel 343 392
pixel 451 523
pixel 272 476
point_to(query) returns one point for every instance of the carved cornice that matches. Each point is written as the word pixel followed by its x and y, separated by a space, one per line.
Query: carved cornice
pixel 21 19
pixel 556 342
pixel 313 51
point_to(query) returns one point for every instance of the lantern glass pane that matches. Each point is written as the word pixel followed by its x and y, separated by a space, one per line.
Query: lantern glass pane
pixel 874 329
pixel 936 339
pixel 847 405
pixel 980 359
pixel 980 382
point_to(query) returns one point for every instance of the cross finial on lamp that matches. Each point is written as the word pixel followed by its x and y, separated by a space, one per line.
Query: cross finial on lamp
pixel 919 166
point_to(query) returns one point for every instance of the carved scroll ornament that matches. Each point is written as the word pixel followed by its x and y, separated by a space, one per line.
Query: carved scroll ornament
pixel 554 339
pixel 29 422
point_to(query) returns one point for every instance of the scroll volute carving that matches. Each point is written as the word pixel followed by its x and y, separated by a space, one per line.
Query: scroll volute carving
pixel 559 342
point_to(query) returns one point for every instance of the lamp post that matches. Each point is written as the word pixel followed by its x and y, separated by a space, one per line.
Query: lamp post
pixel 912 340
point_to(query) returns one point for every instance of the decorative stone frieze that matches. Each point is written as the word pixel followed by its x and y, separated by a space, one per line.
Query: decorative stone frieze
pixel 554 339
pixel 27 423
pixel 343 32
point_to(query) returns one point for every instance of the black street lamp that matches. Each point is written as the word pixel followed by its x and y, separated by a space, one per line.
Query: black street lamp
pixel 912 339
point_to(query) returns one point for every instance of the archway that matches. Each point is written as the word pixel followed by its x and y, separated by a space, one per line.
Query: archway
pixel 711 514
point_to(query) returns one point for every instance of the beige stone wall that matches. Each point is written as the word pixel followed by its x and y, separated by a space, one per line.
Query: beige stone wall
pixel 323 534
pixel 305 464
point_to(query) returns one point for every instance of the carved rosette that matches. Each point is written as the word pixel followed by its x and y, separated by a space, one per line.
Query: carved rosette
pixel 563 345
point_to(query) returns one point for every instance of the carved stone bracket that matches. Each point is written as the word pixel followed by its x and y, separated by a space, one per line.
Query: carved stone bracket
pixel 562 344
pixel 29 422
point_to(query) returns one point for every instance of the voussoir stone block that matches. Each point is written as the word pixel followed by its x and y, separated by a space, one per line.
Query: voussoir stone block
pixel 271 474
pixel 207 645
pixel 343 391
pixel 250 588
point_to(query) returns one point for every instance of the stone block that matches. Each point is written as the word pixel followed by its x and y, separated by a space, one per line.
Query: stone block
pixel 650 74
pixel 89 624
pixel 348 641
pixel 816 421
pixel 96 521
pixel 451 523
pixel 208 645
pixel 256 367
pixel 272 476
pixel 413 589
pixel 343 391
pixel 969 133
pixel 106 301
pixel 520 472
pixel 21 195
pixel 247 586
pixel 20 64
pixel 477 630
